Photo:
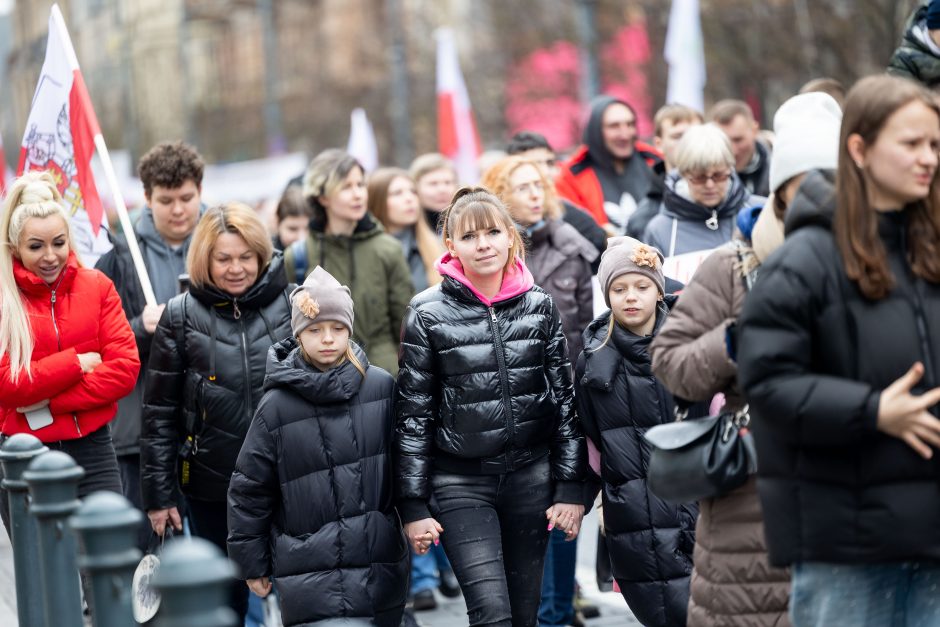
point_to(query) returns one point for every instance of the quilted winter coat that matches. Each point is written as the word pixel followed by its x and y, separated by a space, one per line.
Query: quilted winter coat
pixel 206 371
pixel 311 498
pixel 484 387
pixel 650 540
pixel 79 313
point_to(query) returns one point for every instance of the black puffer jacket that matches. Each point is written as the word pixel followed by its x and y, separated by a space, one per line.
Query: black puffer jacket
pixel 211 382
pixel 814 356
pixel 484 390
pixel 311 498
pixel 650 540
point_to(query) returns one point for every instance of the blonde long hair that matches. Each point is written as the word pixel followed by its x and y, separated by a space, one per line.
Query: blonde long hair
pixel 430 246
pixel 33 195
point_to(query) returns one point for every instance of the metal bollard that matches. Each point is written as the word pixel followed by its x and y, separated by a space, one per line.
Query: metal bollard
pixel 194 581
pixel 106 525
pixel 53 485
pixel 15 455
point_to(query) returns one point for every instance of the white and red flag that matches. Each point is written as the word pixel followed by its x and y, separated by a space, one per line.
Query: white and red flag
pixel 457 136
pixel 4 170
pixel 61 129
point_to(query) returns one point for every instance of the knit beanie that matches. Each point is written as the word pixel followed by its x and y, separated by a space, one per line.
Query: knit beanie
pixel 320 298
pixel 806 129
pixel 624 255
pixel 933 15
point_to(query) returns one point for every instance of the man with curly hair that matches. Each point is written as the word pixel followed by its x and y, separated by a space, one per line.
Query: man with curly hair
pixel 171 173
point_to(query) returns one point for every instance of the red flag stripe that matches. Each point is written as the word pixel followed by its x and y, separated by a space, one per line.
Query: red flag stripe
pixel 84 125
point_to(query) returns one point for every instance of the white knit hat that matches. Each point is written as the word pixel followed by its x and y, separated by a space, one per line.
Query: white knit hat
pixel 807 137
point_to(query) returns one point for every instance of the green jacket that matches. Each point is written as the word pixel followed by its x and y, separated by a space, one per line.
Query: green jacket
pixel 913 58
pixel 372 265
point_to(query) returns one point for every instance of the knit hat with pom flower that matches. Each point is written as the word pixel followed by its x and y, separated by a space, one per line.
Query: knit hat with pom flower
pixel 624 255
pixel 320 298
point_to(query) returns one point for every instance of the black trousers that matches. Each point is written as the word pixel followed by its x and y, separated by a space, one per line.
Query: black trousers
pixel 94 453
pixel 209 522
pixel 495 535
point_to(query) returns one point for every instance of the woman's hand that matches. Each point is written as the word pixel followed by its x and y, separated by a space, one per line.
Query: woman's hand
pixel 421 533
pixel 260 586
pixel 160 517
pixel 566 517
pixel 89 361
pixel 905 416
pixel 150 316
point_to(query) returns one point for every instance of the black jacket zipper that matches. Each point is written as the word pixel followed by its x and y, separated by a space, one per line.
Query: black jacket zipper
pixel 504 379
pixel 245 366
pixel 920 320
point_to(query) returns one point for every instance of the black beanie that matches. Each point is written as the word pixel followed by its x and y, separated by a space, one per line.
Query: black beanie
pixel 933 15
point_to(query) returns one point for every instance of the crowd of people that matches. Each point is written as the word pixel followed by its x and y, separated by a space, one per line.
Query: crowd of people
pixel 406 386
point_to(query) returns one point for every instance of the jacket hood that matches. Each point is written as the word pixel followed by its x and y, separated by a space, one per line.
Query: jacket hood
pixel 602 359
pixel 288 369
pixel 564 237
pixel 814 203
pixel 31 283
pixel 517 280
pixel 594 152
pixel 366 227
pixel 677 206
pixel 269 285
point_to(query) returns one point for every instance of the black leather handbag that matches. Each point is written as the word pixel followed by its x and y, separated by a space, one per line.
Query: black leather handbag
pixel 700 458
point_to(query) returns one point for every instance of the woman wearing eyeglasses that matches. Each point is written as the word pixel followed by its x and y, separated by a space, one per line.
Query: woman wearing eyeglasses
pixel 699 213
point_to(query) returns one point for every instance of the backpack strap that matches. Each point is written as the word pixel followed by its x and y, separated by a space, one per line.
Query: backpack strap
pixel 301 263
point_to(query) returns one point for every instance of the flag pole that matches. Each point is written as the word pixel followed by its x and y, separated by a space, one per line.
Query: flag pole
pixel 109 174
pixel 125 219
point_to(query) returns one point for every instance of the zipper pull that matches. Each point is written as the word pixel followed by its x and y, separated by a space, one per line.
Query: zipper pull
pixel 238 313
pixel 492 314
pixel 53 297
pixel 712 222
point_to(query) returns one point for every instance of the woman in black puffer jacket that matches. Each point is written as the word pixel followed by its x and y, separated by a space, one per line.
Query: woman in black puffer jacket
pixel 488 440
pixel 207 365
pixel 311 497
pixel 837 354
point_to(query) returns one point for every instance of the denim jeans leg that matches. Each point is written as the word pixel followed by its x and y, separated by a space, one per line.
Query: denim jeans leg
pixel 923 602
pixel 825 594
pixel 548 615
pixel 524 496
pixel 440 558
pixel 465 506
pixel 423 572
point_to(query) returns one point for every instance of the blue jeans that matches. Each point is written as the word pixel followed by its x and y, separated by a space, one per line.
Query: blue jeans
pixel 425 569
pixel 903 594
pixel 557 606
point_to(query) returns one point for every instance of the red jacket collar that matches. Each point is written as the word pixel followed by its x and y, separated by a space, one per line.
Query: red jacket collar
pixel 30 283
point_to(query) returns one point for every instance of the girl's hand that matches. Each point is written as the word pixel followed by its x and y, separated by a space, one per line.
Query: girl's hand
pixel 260 586
pixel 89 361
pixel 566 517
pixel 421 533
pixel 905 416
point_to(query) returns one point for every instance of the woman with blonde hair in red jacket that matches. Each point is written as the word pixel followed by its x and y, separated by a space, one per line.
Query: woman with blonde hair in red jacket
pixel 67 352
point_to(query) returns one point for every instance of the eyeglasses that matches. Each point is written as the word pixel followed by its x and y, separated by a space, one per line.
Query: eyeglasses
pixel 529 188
pixel 702 179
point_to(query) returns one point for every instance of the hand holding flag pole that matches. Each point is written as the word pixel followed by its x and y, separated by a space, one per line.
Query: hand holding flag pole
pixel 61 134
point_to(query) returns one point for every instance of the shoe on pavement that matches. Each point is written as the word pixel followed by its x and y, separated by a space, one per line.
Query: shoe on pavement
pixel 424 600
pixel 449 587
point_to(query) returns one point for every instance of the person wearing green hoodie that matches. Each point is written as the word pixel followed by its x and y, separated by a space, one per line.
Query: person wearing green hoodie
pixel 352 246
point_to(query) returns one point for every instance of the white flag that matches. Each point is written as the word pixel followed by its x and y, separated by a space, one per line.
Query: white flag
pixel 685 54
pixel 457 137
pixel 362 140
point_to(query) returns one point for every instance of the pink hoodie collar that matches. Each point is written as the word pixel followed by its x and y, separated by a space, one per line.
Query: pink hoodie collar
pixel 517 280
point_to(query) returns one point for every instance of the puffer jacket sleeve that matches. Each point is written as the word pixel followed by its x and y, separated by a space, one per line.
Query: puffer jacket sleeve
pixel 252 498
pixel 569 451
pixel 51 374
pixel 416 407
pixel 775 352
pixel 162 420
pixel 116 376
pixel 689 353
